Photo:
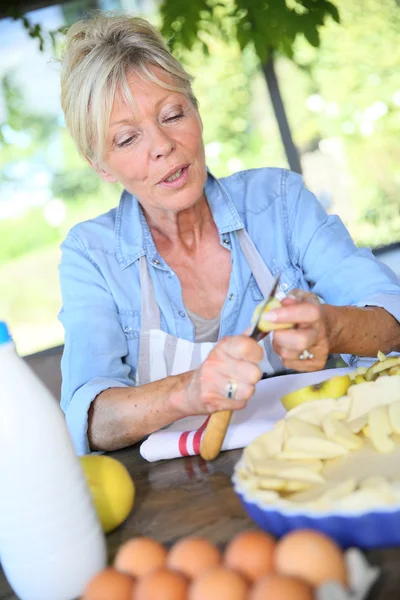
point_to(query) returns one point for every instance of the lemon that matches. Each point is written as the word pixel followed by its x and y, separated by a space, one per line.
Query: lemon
pixel 112 489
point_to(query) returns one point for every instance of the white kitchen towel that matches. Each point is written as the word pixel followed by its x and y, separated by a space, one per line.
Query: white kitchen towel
pixel 183 437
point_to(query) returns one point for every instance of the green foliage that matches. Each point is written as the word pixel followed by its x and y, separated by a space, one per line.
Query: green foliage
pixel 355 72
pixel 21 235
pixel 267 26
pixel 35 31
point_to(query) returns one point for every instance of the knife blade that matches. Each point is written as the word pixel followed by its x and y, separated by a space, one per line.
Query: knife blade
pixel 256 333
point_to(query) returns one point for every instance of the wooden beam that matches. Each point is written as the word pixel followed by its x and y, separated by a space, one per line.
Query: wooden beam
pixel 291 151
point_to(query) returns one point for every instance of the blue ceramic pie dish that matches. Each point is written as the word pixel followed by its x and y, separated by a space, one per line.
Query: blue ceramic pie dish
pixel 362 529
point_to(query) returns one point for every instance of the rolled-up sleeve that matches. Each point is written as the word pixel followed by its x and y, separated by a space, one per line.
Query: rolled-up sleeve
pixel 95 343
pixel 335 268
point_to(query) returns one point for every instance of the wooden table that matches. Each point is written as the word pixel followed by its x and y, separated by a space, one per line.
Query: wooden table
pixel 188 496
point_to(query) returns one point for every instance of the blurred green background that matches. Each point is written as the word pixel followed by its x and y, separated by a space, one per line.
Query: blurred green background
pixel 343 105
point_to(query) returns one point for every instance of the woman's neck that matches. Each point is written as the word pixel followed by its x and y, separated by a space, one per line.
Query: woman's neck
pixel 182 229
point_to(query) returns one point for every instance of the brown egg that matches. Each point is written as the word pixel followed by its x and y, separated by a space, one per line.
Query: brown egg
pixel 109 584
pixel 312 556
pixel 219 583
pixel 251 553
pixel 193 556
pixel 162 584
pixel 280 587
pixel 140 556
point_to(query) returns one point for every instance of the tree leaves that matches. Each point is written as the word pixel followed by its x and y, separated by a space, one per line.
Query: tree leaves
pixel 268 25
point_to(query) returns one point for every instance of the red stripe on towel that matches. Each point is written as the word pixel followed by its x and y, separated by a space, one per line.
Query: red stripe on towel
pixel 182 445
pixel 197 437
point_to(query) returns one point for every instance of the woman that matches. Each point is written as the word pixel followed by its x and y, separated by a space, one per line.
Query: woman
pixel 158 292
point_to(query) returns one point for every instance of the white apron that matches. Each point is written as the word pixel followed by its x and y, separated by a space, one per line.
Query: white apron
pixel 162 354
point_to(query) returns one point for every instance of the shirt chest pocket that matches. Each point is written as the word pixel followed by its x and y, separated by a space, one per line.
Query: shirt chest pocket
pixel 130 322
pixel 289 279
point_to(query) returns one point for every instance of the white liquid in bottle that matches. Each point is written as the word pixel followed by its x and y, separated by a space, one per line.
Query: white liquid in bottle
pixel 51 542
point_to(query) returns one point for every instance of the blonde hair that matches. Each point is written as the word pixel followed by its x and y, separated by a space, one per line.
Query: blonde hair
pixel 99 52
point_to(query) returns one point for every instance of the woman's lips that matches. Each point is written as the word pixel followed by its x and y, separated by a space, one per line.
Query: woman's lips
pixel 179 181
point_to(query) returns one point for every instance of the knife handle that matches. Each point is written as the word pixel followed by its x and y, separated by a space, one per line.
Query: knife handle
pixel 214 434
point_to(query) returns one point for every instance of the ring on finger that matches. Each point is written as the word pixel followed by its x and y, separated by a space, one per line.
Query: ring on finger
pixel 230 390
pixel 305 355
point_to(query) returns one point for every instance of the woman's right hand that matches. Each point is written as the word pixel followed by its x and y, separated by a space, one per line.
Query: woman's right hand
pixel 234 360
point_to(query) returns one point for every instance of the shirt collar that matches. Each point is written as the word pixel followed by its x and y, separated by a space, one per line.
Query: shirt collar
pixel 132 234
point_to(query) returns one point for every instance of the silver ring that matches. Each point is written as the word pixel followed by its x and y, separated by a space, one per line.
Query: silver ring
pixel 230 390
pixel 306 355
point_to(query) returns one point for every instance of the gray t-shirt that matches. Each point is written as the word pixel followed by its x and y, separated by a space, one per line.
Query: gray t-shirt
pixel 206 330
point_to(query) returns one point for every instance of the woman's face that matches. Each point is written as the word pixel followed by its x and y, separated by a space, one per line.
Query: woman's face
pixel 156 152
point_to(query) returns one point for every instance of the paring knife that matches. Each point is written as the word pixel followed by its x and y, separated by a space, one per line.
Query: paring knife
pixel 218 422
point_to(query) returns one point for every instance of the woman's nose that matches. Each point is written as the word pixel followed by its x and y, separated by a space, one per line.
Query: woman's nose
pixel 161 144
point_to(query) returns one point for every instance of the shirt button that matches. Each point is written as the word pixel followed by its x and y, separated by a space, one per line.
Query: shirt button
pixel 170 274
pixel 230 297
pixel 155 261
pixel 182 314
pixel 127 329
pixel 283 286
pixel 226 241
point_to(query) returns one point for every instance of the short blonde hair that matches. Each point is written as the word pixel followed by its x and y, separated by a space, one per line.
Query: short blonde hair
pixel 99 52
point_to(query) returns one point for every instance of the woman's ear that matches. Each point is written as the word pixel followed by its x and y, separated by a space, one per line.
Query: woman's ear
pixel 105 175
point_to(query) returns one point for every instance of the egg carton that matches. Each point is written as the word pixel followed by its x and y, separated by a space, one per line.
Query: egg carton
pixel 362 577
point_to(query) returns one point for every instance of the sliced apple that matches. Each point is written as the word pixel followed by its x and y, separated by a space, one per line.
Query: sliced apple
pixel 358 371
pixel 394 416
pixel 380 429
pixel 314 446
pixel 297 456
pixel 339 432
pixel 361 499
pixel 375 369
pixel 289 469
pixel 266 445
pixel 297 427
pixel 395 370
pixel 312 411
pixel 336 491
pixel 357 425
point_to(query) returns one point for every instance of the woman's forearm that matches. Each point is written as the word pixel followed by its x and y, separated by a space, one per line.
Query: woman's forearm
pixel 361 331
pixel 120 417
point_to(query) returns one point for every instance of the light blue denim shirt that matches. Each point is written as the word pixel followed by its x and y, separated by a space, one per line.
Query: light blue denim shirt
pixel 99 275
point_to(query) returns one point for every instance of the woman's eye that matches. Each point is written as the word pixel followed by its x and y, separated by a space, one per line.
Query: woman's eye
pixel 125 142
pixel 174 118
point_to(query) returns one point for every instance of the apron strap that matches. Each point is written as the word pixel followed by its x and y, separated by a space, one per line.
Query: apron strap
pixel 151 318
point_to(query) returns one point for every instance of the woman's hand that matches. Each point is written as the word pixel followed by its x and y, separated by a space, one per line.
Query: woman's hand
pixel 232 366
pixel 310 332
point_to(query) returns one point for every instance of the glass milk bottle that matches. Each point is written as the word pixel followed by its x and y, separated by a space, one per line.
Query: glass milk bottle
pixel 51 542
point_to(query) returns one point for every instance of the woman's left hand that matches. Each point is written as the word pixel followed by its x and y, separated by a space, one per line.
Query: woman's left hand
pixel 309 334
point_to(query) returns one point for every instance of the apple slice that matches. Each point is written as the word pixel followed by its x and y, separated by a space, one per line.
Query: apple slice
pixel 282 484
pixel 314 446
pixel 394 416
pixel 358 424
pixel 304 457
pixel 340 432
pixel 382 485
pixel 335 491
pixel 300 428
pixel 375 369
pixel 380 429
pixel 281 468
pixel 265 445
